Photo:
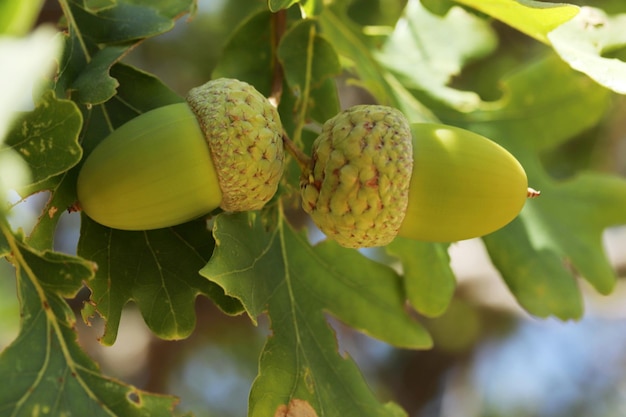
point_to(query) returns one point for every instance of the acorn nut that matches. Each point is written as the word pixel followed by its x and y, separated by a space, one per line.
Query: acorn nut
pixel 222 148
pixel 374 176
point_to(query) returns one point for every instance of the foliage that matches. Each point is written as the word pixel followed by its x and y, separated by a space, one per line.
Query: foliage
pixel 436 61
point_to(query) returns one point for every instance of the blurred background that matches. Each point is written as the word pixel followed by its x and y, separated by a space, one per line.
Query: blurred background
pixel 490 358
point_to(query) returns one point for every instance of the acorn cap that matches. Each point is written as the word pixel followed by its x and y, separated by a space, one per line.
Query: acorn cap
pixel 357 186
pixel 244 134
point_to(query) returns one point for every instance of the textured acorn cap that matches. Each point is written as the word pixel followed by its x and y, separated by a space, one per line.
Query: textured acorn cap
pixel 357 186
pixel 244 134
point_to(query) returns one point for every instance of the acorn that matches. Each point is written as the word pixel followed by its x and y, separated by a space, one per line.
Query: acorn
pixel 221 148
pixel 373 176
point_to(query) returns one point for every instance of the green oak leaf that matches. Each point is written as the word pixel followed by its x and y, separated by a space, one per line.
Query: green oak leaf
pixel 276 5
pixel 582 41
pixel 309 63
pixel 357 52
pixel 17 17
pixel 429 281
pixel 248 54
pixel 47 138
pixel 438 7
pixel 440 47
pixel 157 269
pixel 376 15
pixel 97 39
pixel 44 371
pixel 276 270
pixel 308 7
pixel 534 18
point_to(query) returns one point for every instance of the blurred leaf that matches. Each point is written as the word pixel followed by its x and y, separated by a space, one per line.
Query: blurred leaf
pixel 308 7
pixel 248 54
pixel 438 7
pixel 279 272
pixel 428 280
pixel 582 41
pixel 312 7
pixel 14 174
pixel 426 51
pixel 47 138
pixel 276 5
pixel 356 50
pixel 18 16
pixel 157 269
pixel 535 274
pixel 53 374
pixel 23 61
pixel 376 12
pixel 544 103
pixel 4 246
pixel 309 62
pixel 534 18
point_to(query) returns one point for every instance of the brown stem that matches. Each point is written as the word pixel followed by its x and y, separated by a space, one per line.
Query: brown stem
pixel 279 20
pixel 301 158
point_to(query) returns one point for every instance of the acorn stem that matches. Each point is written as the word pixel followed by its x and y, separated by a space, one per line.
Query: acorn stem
pixel 532 193
pixel 301 158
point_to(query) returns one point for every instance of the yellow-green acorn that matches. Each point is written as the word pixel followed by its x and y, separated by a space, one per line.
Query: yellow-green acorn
pixel 373 176
pixel 222 148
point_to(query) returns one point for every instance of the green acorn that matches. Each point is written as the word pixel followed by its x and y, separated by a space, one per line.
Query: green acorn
pixel 222 148
pixel 373 176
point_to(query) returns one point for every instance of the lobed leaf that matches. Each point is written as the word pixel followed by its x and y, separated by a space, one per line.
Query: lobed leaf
pixel 96 40
pixel 248 54
pixel 429 282
pixel 47 139
pixel 53 375
pixel 440 48
pixel 582 41
pixel 157 269
pixel 356 51
pixel 309 63
pixel 277 271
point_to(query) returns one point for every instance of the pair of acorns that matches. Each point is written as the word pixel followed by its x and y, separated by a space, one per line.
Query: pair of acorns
pixel 371 176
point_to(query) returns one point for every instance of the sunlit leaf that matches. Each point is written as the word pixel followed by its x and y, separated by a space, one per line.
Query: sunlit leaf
pixel 534 18
pixel 18 16
pixel 357 52
pixel 276 5
pixel 426 51
pixel 47 138
pixel 582 41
